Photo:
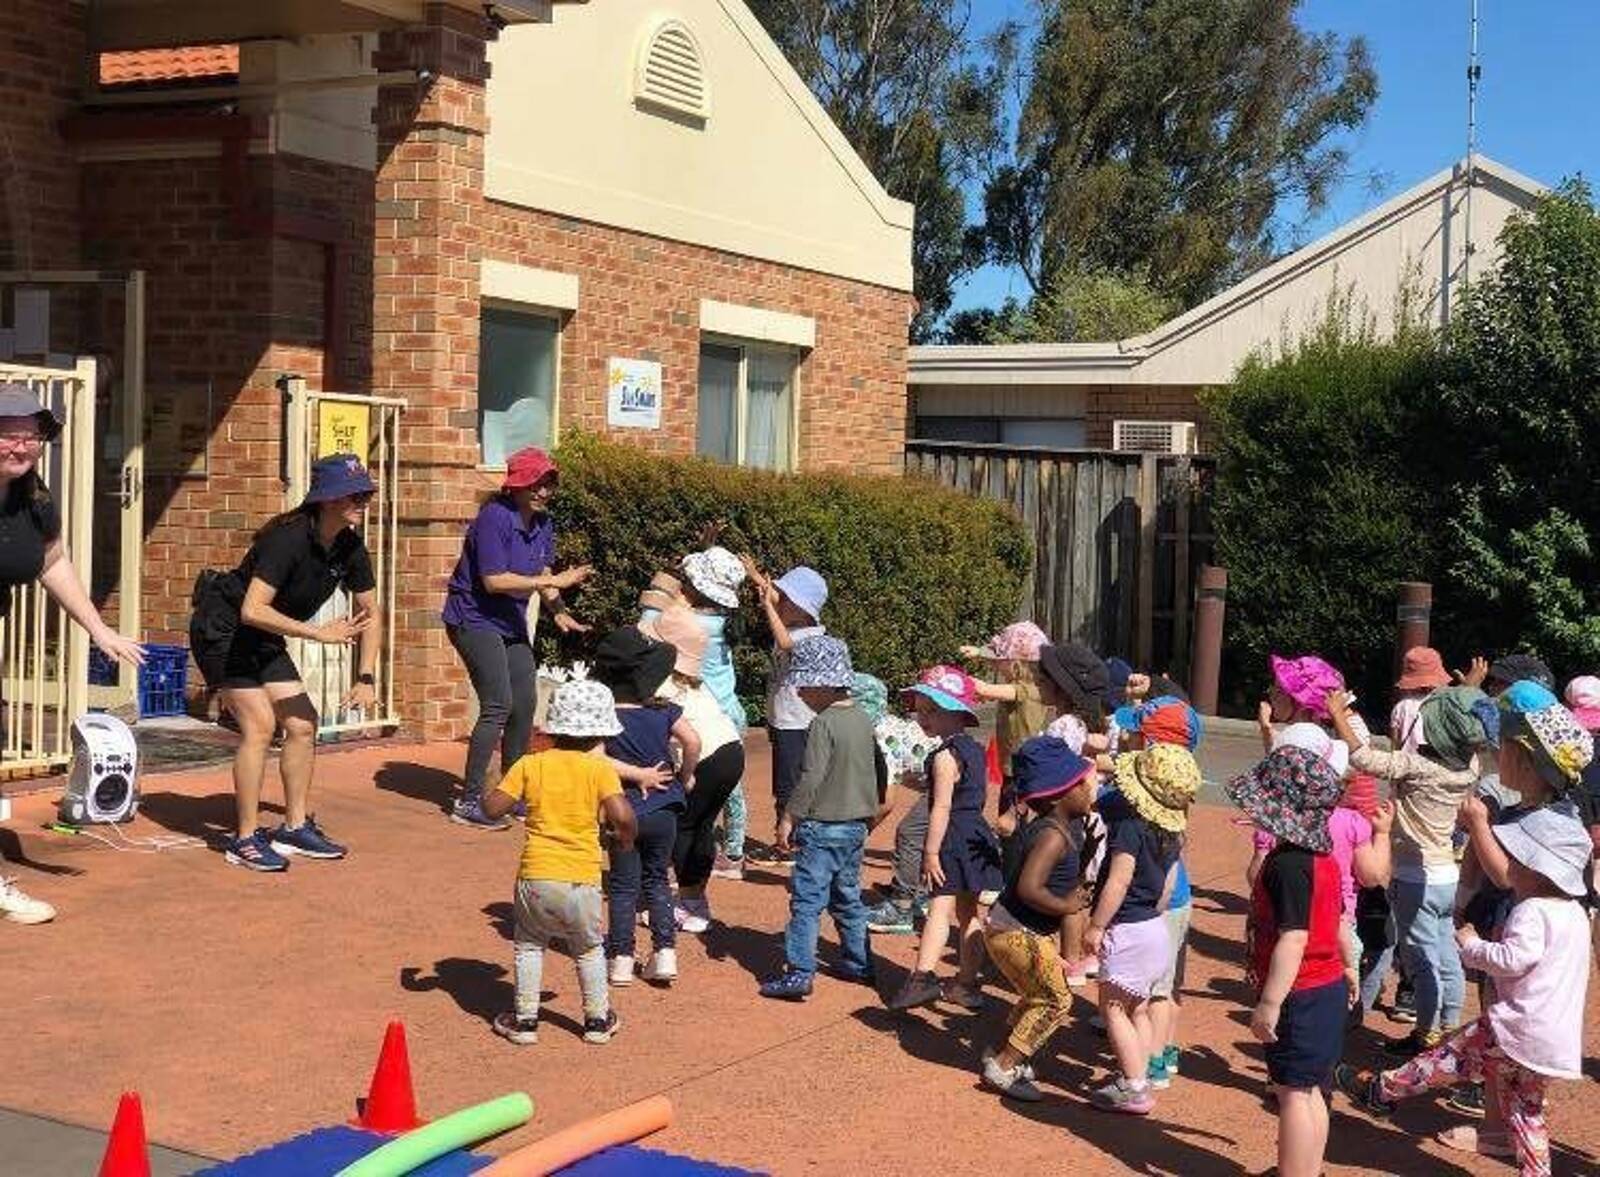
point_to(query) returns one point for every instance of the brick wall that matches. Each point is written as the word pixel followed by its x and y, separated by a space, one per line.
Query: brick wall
pixel 639 297
pixel 228 310
pixel 1111 403
pixel 41 63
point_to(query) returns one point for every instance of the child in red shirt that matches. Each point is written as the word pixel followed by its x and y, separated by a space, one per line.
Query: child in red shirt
pixel 1303 968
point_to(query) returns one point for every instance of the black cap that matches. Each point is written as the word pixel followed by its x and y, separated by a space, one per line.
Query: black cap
pixel 632 665
pixel 1514 668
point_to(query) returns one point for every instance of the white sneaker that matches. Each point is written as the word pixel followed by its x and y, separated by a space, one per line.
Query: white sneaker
pixel 622 970
pixel 19 908
pixel 663 967
pixel 695 920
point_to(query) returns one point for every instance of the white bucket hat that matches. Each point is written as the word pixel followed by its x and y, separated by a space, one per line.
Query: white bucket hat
pixel 1552 844
pixel 805 588
pixel 1311 738
pixel 716 574
pixel 583 708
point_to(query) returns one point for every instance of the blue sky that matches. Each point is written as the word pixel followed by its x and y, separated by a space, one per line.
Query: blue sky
pixel 1536 108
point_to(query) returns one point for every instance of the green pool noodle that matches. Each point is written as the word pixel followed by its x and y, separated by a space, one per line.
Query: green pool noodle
pixel 457 1130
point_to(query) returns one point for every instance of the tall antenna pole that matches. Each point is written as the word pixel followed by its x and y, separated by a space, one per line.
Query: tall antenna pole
pixel 1474 71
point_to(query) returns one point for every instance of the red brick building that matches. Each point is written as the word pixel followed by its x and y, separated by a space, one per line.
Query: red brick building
pixel 498 214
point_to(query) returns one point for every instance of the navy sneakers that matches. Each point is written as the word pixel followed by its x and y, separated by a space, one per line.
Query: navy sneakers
pixel 307 840
pixel 255 853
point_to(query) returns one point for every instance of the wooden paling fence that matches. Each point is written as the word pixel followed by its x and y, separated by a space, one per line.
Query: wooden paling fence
pixel 1118 539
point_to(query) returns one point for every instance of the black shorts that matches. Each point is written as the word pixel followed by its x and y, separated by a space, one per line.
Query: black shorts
pixel 788 754
pixel 1310 1037
pixel 240 664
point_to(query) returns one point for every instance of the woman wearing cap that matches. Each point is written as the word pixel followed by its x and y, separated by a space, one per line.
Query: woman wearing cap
pixel 239 635
pixel 505 560
pixel 31 550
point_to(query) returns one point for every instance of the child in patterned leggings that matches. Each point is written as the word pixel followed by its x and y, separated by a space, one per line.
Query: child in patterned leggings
pixel 1532 1032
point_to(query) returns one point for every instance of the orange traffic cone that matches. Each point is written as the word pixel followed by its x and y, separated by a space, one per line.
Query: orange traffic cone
pixel 391 1105
pixel 125 1150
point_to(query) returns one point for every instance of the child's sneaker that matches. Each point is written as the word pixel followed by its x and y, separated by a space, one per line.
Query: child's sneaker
pixel 919 989
pixel 20 908
pixel 470 813
pixel 621 971
pixel 1412 1044
pixel 517 1030
pixel 1080 971
pixel 693 916
pixel 1404 1008
pixel 957 994
pixel 728 868
pixel 988 898
pixel 1363 1087
pixel 1157 1074
pixel 599 1031
pixel 306 840
pixel 890 919
pixel 789 985
pixel 1124 1097
pixel 1014 1083
pixel 663 967
pixel 1169 1056
pixel 1467 1099
pixel 255 853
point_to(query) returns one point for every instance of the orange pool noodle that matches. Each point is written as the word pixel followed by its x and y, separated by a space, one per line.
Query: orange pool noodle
pixel 584 1139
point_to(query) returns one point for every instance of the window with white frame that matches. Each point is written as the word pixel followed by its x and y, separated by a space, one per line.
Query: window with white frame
pixel 518 352
pixel 747 404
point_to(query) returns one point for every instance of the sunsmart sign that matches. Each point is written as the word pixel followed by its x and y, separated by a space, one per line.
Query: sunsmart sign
pixel 633 394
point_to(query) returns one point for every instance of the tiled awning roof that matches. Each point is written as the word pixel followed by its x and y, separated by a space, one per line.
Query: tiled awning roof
pixel 190 63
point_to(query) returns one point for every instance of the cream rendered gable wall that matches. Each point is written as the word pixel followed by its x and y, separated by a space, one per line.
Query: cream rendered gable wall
pixel 766 176
pixel 1422 242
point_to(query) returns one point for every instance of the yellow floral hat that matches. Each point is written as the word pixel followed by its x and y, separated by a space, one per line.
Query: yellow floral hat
pixel 1160 783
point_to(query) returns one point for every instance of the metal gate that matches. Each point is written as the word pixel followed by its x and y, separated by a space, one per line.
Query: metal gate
pixel 44 658
pixel 319 424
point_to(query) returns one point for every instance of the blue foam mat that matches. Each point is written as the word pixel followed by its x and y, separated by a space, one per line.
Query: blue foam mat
pixel 324 1151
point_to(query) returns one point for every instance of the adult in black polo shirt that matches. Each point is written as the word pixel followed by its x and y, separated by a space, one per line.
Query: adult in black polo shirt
pixel 240 633
pixel 31 550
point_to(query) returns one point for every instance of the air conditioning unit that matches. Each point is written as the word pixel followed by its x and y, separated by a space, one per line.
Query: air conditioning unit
pixel 1154 437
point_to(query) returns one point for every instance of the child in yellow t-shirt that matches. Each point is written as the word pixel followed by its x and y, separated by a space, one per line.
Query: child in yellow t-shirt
pixel 567 790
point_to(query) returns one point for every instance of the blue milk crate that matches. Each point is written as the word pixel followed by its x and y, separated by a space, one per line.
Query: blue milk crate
pixel 163 680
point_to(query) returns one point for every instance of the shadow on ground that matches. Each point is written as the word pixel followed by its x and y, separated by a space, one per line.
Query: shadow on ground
pixel 419 782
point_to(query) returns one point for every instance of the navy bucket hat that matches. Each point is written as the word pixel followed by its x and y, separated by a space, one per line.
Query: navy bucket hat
pixel 338 476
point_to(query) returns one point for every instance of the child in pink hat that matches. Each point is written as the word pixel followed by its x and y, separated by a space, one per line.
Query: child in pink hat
pixel 1021 714
pixel 1298 694
pixel 961 858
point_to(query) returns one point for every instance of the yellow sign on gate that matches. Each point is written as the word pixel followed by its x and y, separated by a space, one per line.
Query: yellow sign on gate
pixel 342 428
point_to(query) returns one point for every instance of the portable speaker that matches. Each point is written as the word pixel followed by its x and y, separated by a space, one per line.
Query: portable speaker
pixel 104 783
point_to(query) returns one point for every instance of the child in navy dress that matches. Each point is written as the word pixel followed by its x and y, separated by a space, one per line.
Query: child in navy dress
pixel 961 857
pixel 634 667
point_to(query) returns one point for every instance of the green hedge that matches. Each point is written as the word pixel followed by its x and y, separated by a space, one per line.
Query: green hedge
pixel 913 570
pixel 1318 512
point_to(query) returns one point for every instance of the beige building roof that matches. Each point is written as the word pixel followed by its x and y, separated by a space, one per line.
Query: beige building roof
pixel 683 120
pixel 1418 238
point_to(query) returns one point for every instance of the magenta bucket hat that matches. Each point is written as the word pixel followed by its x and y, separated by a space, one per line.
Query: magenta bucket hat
pixel 950 688
pixel 1307 680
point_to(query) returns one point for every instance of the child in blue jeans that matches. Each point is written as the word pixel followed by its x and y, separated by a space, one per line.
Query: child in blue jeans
pixel 838 797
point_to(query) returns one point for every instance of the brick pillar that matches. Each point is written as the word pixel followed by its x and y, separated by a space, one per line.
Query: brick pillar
pixel 429 196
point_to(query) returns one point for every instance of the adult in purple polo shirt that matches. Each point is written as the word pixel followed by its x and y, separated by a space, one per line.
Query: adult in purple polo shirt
pixel 505 559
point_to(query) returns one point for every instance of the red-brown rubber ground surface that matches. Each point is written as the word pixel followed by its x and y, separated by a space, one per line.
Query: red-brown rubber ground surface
pixel 249 1008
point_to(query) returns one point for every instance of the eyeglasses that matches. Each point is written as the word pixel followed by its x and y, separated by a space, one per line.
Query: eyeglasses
pixel 25 441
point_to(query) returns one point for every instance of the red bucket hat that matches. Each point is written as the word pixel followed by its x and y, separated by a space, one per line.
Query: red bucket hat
pixel 527 467
pixel 1422 669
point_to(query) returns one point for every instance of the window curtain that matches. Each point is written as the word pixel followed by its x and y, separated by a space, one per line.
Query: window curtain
pixel 516 382
pixel 716 422
pixel 769 408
